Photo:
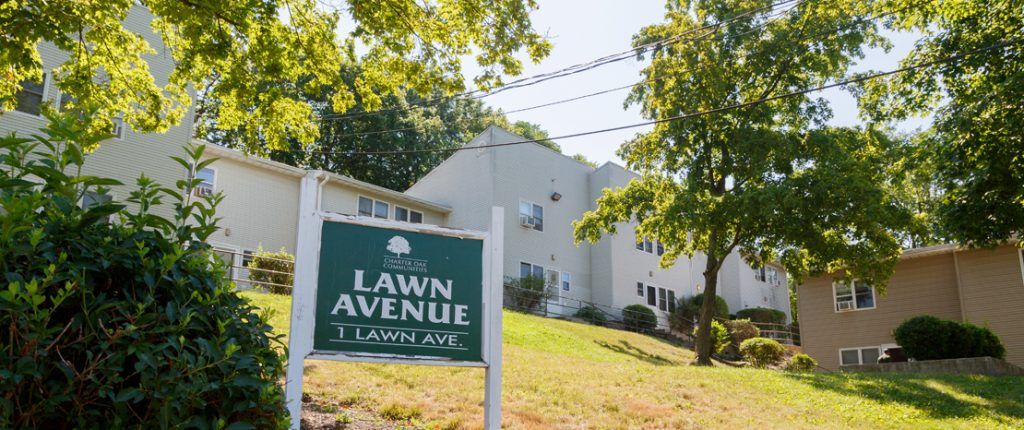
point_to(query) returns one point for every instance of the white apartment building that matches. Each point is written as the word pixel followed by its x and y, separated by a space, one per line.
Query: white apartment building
pixel 542 192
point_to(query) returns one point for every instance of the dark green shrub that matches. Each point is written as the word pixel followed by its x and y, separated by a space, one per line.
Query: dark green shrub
pixel 687 311
pixel 121 324
pixel 527 293
pixel 762 315
pixel 592 314
pixel 741 330
pixel 929 338
pixel 639 318
pixel 762 352
pixel 272 271
pixel 801 363
pixel 719 336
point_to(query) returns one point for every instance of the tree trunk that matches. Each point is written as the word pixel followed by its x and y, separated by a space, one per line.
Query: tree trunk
pixel 702 345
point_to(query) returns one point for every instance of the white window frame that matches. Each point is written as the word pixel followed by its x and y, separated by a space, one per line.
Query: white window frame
pixel 760 274
pixel 860 354
pixel 213 183
pixel 773 280
pixel 643 290
pixel 853 294
pixel 543 212
pixel 408 214
pixel 45 98
pixel 373 207
pixel 641 246
pixel 543 270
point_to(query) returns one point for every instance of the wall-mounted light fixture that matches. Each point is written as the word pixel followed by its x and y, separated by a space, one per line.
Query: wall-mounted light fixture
pixel 556 196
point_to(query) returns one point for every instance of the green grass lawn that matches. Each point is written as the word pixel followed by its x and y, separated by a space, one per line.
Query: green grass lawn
pixel 564 375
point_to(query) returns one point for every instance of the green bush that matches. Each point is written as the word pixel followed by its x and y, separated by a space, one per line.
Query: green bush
pixel 639 318
pixel 272 271
pixel 929 338
pixel 719 336
pixel 762 315
pixel 801 363
pixel 122 324
pixel 527 293
pixel 592 314
pixel 762 352
pixel 687 310
pixel 741 330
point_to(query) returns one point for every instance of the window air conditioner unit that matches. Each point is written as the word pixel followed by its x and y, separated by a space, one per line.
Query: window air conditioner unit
pixel 526 221
pixel 202 191
pixel 844 306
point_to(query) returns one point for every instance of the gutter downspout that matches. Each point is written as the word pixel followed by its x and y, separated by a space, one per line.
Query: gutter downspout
pixel 320 189
pixel 959 286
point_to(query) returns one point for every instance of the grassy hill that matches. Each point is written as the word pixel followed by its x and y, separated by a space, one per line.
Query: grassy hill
pixel 564 375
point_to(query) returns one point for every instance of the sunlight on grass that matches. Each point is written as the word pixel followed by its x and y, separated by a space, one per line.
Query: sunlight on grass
pixel 564 375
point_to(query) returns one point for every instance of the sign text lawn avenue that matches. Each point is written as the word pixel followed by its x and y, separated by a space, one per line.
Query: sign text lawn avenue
pixel 403 293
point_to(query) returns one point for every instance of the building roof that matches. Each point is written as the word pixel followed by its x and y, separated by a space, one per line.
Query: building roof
pixel 263 163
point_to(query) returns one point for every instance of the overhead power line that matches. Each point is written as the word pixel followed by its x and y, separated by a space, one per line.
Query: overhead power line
pixel 624 87
pixel 854 80
pixel 576 68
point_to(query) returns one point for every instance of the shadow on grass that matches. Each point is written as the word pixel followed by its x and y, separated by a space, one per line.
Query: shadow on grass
pixel 637 353
pixel 998 397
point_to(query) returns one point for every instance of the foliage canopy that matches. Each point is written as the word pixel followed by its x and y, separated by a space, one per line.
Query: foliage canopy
pixel 116 317
pixel 771 179
pixel 251 54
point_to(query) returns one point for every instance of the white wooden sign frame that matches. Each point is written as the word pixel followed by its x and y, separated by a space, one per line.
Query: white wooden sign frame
pixel 307 255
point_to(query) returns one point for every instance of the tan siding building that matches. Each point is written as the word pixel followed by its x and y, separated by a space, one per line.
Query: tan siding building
pixel 984 287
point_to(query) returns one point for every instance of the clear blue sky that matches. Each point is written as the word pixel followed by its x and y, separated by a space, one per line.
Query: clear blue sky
pixel 582 30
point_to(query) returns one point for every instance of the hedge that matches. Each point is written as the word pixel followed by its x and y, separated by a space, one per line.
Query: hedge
pixel 762 315
pixel 926 337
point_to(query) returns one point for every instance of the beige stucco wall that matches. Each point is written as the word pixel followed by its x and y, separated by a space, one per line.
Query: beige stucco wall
pixel 993 295
pixel 925 285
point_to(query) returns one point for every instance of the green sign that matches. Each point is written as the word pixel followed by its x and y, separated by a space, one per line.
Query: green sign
pixel 399 293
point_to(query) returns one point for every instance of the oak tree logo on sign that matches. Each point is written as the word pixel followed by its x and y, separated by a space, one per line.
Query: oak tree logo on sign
pixel 398 245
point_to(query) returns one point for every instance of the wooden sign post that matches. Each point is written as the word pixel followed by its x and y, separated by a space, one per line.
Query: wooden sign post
pixel 373 290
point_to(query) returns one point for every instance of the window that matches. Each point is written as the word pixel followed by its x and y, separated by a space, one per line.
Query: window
pixel 860 296
pixel 531 215
pixel 663 299
pixel 566 281
pixel 759 274
pixel 661 249
pixel 671 301
pixel 406 215
pixel 31 97
pixel 247 257
pixel 865 355
pixel 374 208
pixel 640 289
pixel 652 297
pixel 92 198
pixel 772 276
pixel 207 178
pixel 527 269
pixel 381 209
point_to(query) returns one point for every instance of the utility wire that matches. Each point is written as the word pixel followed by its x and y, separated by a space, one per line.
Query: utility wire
pixel 574 69
pixel 854 80
pixel 620 88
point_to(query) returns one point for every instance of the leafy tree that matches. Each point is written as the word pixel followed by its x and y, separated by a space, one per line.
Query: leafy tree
pixel 406 122
pixel 533 131
pixel 768 179
pixel 583 159
pixel 975 145
pixel 249 53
